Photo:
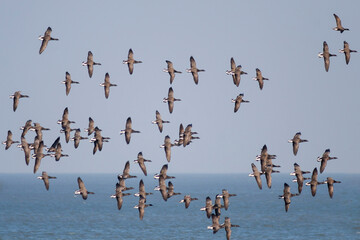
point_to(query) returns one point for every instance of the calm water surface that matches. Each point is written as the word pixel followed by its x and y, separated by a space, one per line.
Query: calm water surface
pixel 28 211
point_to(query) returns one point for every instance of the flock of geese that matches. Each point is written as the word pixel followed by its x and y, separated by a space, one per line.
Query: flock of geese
pixel 186 136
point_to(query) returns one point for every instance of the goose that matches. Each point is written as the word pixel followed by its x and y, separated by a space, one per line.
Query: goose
pixel 265 158
pixel 299 176
pixel 159 121
pixel 68 83
pixel 90 128
pixel 162 188
pixel 256 174
pixel 295 142
pixel 314 182
pixel 225 196
pixel 26 128
pixel 16 96
pixel 171 190
pixel 141 161
pixel 66 130
pixel 347 52
pixel 77 137
pixel 35 145
pixel 215 226
pixel 106 84
pixel 98 140
pixel 26 148
pixel 163 173
pixel 9 141
pixel 180 141
pixel 208 207
pixel 126 171
pixel 170 100
pixel 58 153
pixel 167 147
pixel 287 196
pixel 339 27
pixel 119 196
pixel 330 183
pixel 325 157
pixel 38 129
pixel 268 171
pixel 54 145
pixel 142 191
pixel 45 177
pixel 217 206
pixel 187 199
pixel 227 225
pixel 141 207
pixel 65 119
pixel 188 135
pixel 90 63
pixel 130 61
pixel 45 39
pixel 123 185
pixel 236 72
pixel 170 69
pixel 259 77
pixel 194 70
pixel 82 189
pixel 38 156
pixel 238 100
pixel 128 130
pixel 326 55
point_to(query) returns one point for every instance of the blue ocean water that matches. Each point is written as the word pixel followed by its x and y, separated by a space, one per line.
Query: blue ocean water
pixel 28 211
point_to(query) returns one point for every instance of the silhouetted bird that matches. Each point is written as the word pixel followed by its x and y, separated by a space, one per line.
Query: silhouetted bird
pixel 45 39
pixel 90 63
pixel 130 61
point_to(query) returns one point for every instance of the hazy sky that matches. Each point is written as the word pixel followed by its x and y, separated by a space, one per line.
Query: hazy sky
pixel 282 39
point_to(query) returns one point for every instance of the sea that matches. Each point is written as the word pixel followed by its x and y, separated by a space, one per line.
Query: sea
pixel 28 211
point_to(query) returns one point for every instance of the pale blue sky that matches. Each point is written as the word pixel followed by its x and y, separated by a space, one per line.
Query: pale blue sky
pixel 281 38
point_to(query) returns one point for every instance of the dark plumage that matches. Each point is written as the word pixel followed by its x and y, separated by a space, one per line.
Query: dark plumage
pixel 9 140
pixel 295 142
pixel 287 196
pixel 128 130
pixel 238 100
pixel 44 176
pixel 126 171
pixel 346 50
pixel 90 63
pixel 259 77
pixel 194 70
pixel 82 189
pixel 141 161
pixel 187 199
pixel 45 39
pixel 16 96
pixel 170 100
pixel 326 55
pixel 339 27
pixel 167 147
pixel 68 83
pixel 314 182
pixel 159 121
pixel 325 157
pixel 170 69
pixel 106 84
pixel 330 183
pixel 299 176
pixel 130 61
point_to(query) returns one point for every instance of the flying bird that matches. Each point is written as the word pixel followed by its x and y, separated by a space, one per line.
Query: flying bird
pixel 128 130
pixel 162 188
pixel 314 182
pixel 54 145
pixel 26 127
pixel 68 83
pixel 187 199
pixel 170 69
pixel 45 177
pixel 141 161
pixel 339 27
pixel 325 157
pixel 259 77
pixel 326 55
pixel 215 226
pixel 106 84
pixel 141 207
pixel 159 121
pixel 299 176
pixel 45 39
pixel 26 148
pixel 163 173
pixel 119 195
pixel 167 147
pixel 9 141
pixel 90 128
pixel 227 225
pixel 194 70
pixel 238 100
pixel 77 137
pixel 330 183
pixel 170 100
pixel 130 61
pixel 82 189
pixel 296 140
pixel 346 50
pixel 208 207
pixel 256 174
pixel 225 196
pixel 142 191
pixel 126 171
pixel 235 71
pixel 38 156
pixel 287 196
pixel 90 63
pixel 16 96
